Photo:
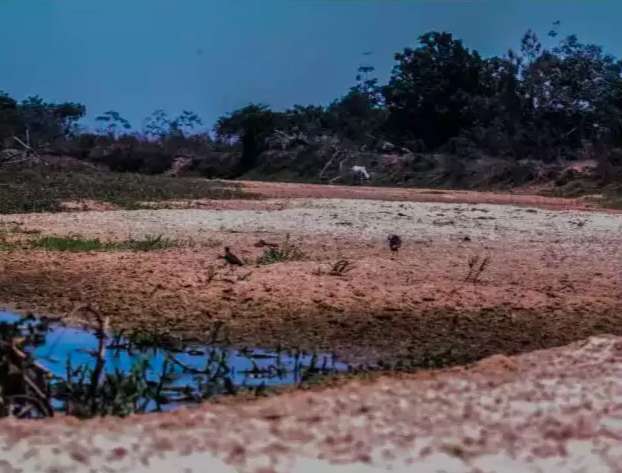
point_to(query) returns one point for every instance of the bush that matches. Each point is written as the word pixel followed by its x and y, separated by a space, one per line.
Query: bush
pixel 285 252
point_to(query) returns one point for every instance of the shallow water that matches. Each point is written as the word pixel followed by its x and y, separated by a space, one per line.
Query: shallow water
pixel 194 365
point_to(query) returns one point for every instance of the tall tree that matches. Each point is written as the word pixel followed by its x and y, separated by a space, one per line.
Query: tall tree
pixel 113 123
pixel 251 126
pixel 9 117
pixel 571 94
pixel 47 122
pixel 431 87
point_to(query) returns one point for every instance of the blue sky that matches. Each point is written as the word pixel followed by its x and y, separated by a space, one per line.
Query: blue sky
pixel 212 56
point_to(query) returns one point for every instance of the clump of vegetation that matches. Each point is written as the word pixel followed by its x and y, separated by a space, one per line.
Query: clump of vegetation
pixel 117 393
pixel 5 244
pixel 55 243
pixel 477 266
pixel 23 383
pixel 341 268
pixel 285 252
pixel 100 388
pixel 149 243
pixel 45 188
pixel 78 244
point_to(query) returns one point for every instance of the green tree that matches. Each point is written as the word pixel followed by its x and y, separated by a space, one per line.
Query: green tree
pixel 250 126
pixel 431 87
pixel 157 125
pixel 361 112
pixel 185 123
pixel 112 123
pixel 571 94
pixel 47 122
pixel 9 117
pixel 309 119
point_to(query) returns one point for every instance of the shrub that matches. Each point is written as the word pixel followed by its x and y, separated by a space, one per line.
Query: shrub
pixel 285 252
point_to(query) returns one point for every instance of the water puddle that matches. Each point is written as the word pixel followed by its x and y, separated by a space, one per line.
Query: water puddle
pixel 189 374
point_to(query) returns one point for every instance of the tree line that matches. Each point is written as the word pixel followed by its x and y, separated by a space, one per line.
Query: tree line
pixel 538 102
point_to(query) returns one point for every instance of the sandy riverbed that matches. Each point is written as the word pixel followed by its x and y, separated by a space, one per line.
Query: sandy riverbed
pixel 553 278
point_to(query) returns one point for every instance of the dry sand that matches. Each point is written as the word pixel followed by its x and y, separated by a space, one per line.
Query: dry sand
pixel 554 278
pixel 554 411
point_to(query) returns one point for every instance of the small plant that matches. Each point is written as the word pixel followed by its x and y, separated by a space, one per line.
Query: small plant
pixel 285 252
pixel 477 267
pixel 149 243
pixel 4 243
pixel 341 268
pixel 211 273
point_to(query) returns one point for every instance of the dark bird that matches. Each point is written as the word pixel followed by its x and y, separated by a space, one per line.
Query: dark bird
pixel 231 258
pixel 395 243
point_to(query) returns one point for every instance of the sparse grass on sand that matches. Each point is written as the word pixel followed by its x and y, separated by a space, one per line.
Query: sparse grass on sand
pixel 78 244
pixel 45 188
pixel 286 252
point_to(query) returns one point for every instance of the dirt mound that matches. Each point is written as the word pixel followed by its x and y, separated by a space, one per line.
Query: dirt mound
pixel 560 413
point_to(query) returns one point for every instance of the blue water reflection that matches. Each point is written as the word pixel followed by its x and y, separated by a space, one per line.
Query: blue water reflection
pixel 194 365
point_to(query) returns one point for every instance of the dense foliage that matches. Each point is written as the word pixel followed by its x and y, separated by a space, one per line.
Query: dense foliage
pixel 542 103
pixel 535 103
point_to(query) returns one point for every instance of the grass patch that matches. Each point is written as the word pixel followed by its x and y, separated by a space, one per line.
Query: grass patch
pixel 53 243
pixel 606 196
pixel 78 244
pixel 286 252
pixel 44 188
pixel 149 243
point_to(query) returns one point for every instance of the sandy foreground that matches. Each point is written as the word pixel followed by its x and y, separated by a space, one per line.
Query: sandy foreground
pixel 553 411
pixel 553 279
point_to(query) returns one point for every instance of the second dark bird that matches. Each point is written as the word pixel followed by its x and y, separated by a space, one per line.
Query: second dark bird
pixel 395 243
pixel 231 258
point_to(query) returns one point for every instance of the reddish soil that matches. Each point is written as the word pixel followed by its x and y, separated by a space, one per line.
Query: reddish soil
pixel 525 198
pixel 552 278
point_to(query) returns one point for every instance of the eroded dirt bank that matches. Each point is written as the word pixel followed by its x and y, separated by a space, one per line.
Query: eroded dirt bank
pixel 551 411
pixel 553 276
pixel 527 196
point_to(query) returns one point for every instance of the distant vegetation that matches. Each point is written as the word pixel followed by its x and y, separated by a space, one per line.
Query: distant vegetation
pixel 149 243
pixel 46 188
pixel 286 251
pixel 543 104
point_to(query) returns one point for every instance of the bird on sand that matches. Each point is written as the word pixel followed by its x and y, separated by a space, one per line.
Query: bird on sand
pixel 395 242
pixel 231 258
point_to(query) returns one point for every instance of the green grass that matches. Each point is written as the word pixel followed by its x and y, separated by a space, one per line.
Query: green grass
pixel 52 243
pixel 285 252
pixel 78 244
pixel 149 243
pixel 607 196
pixel 44 188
